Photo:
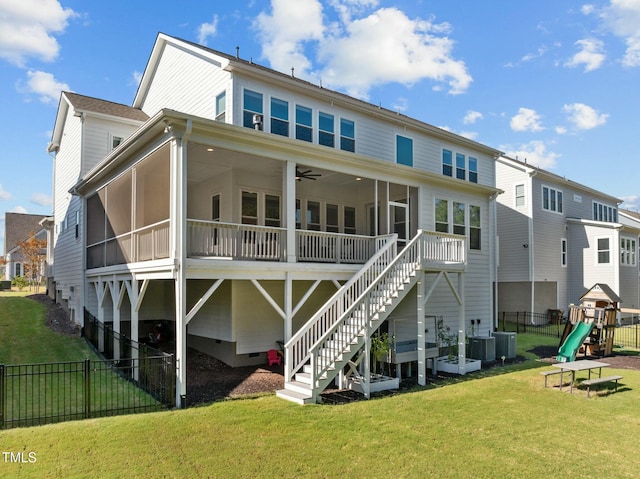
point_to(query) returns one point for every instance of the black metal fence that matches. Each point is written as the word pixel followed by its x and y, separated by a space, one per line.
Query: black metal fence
pixel 133 378
pixel 545 324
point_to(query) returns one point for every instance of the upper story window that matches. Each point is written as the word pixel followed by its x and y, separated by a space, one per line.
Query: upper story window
pixel 252 110
pixel 628 251
pixel 279 117
pixel 604 251
pixel 404 150
pixel 447 163
pixel 272 210
pixel 551 199
pixel 474 227
pixel 249 208
pixel 349 220
pixel 602 212
pixel 221 106
pixel 459 223
pixel 461 163
pixel 519 196
pixel 215 208
pixel 304 125
pixel 563 252
pixel 473 170
pixel 115 141
pixel 347 135
pixel 326 130
pixel 442 215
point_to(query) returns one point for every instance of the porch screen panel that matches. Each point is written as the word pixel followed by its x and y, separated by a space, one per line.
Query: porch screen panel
pixel 118 220
pixel 96 230
pixel 152 206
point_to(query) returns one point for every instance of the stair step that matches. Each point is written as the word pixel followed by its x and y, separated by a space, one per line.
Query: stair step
pixel 298 387
pixel 304 378
pixel 294 396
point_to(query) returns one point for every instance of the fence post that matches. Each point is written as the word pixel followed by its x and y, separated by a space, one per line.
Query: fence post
pixel 87 388
pixel 2 389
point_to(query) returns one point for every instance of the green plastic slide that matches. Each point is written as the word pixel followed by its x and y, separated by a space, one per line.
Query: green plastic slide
pixel 569 348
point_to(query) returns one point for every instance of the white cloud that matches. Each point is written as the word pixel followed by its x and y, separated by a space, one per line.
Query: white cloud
pixel 285 31
pixel 587 9
pixel 4 194
pixel 590 54
pixel 207 30
pixel 137 77
pixel 44 85
pixel 631 202
pixel 561 130
pixel 583 116
pixel 471 117
pixel 19 209
pixel 526 120
pixel 27 28
pixel 401 105
pixel 362 49
pixel 534 153
pixel 41 199
pixel 472 135
pixel 622 18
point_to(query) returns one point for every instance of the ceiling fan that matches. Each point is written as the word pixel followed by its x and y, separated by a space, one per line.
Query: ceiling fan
pixel 306 175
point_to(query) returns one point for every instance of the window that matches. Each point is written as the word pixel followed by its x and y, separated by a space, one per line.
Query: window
pixel 326 132
pixel 252 106
pixel 215 208
pixel 115 141
pixel 298 214
pixel 313 215
pixel 447 163
pixel 303 123
pixel 563 252
pixel 221 106
pixel 18 269
pixel 603 250
pixel 349 220
pixel 332 218
pixel 404 150
pixel 461 172
pixel 551 199
pixel 442 215
pixel 474 227
pixel 272 210
pixel 519 195
pixel 628 251
pixel 473 170
pixel 459 219
pixel 249 208
pixel 279 117
pixel 602 212
pixel 347 135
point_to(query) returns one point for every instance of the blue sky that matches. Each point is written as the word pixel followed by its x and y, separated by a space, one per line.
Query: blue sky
pixel 553 82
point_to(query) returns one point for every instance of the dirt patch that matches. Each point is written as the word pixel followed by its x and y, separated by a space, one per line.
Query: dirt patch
pixel 56 317
pixel 618 361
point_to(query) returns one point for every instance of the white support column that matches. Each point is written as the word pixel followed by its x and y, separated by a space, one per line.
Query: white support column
pixel 461 326
pixel 117 296
pixel 132 290
pixel 100 290
pixel 288 307
pixel 289 201
pixel 422 360
pixel 366 383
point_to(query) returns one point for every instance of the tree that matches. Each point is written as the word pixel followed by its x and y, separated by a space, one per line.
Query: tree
pixel 33 253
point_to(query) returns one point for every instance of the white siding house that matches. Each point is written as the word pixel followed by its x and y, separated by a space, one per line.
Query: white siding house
pixel 253 209
pixel 557 239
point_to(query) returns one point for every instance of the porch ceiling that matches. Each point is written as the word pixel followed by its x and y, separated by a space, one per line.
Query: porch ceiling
pixel 205 163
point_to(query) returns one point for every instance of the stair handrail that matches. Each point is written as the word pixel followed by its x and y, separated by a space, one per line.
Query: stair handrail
pixel 297 348
pixel 413 250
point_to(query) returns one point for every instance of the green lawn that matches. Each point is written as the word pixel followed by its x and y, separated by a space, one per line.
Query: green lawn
pixel 499 423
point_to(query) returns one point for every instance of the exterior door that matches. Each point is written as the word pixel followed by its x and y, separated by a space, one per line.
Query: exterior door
pixel 399 221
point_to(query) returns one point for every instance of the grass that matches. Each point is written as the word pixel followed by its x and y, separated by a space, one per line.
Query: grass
pixel 31 394
pixel 494 423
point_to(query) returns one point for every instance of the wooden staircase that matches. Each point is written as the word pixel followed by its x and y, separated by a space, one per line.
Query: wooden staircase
pixel 334 335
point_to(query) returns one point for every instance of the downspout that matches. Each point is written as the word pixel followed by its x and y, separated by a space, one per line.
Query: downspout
pixel 493 255
pixel 531 245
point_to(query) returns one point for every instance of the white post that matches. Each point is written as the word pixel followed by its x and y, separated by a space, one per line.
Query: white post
pixel 289 201
pixel 461 326
pixel 422 360
pixel 133 299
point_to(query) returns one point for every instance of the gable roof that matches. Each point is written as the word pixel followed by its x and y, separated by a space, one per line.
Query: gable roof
pixel 18 226
pixel 86 104
pixel 600 291
pixel 235 63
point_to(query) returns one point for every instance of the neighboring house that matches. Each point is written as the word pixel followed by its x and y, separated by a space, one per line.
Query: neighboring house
pixel 253 209
pixel 19 227
pixel 558 238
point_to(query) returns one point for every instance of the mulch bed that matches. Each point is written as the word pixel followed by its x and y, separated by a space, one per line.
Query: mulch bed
pixel 209 379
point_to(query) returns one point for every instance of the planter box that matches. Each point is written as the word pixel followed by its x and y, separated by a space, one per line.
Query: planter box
pixel 377 383
pixel 444 365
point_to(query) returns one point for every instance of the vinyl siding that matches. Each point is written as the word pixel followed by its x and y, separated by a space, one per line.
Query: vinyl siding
pixel 187 83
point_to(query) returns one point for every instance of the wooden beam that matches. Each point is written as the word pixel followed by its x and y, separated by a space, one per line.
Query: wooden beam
pixel 428 293
pixel 268 297
pixel 305 298
pixel 202 301
pixel 143 291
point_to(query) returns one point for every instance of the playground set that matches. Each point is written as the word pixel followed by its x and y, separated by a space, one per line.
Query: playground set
pixel 591 325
